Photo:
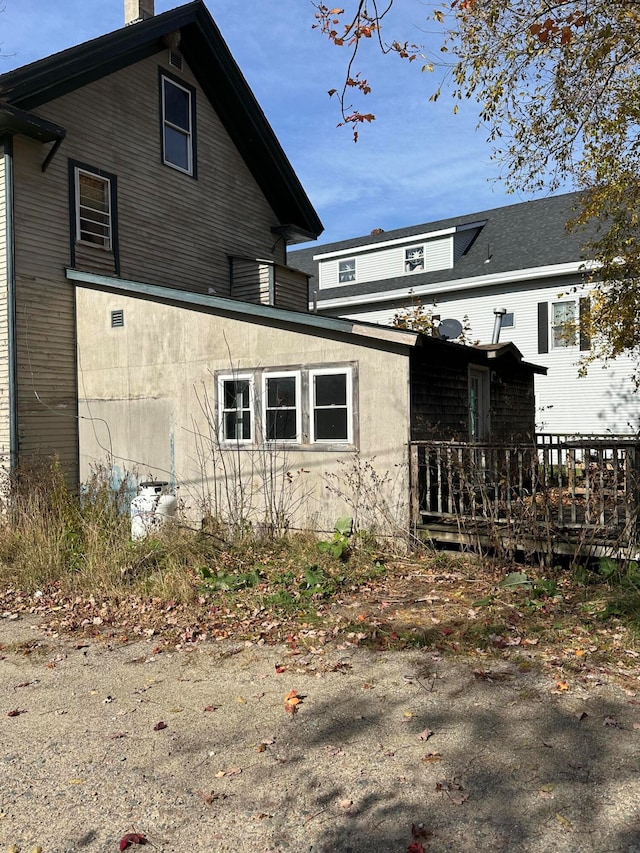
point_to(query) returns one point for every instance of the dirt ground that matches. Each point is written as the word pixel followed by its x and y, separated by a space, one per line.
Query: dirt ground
pixel 388 751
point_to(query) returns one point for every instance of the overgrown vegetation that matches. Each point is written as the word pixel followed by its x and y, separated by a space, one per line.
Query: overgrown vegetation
pixel 72 561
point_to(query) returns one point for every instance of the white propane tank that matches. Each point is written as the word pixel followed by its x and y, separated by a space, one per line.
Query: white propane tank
pixel 151 508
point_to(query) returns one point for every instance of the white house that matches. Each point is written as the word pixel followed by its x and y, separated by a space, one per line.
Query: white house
pixel 519 258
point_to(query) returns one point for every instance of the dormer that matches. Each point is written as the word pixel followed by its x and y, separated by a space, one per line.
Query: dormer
pixel 406 256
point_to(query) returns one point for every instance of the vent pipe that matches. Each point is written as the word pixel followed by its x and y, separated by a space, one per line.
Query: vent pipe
pixel 497 324
pixel 138 10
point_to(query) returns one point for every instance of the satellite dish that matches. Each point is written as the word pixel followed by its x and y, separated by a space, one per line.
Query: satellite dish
pixel 450 329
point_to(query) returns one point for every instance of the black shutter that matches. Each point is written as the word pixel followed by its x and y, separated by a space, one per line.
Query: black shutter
pixel 585 322
pixel 543 327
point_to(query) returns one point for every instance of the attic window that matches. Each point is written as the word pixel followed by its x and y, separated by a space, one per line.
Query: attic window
pixel 347 271
pixel 414 259
pixel 175 59
pixel 117 319
pixel 178 124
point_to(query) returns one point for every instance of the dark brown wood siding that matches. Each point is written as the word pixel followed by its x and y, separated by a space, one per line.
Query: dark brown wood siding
pixel 440 395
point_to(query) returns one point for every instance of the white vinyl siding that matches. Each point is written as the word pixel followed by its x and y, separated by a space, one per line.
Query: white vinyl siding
pixel 389 262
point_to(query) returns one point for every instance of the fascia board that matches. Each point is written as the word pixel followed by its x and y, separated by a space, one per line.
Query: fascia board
pixel 509 277
pixel 371 247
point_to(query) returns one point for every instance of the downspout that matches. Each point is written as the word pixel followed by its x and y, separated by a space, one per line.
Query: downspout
pixel 7 142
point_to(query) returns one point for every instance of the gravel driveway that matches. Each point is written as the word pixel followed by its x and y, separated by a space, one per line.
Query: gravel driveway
pixel 197 750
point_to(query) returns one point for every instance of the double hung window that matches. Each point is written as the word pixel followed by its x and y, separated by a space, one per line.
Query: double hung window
pixel 178 120
pixel 563 324
pixel 281 402
pixel 330 405
pixel 235 395
pixel 346 271
pixel 414 259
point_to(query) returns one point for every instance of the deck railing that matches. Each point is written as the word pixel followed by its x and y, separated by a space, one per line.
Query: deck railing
pixel 552 486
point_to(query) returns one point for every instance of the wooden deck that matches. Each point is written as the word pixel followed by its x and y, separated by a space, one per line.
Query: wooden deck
pixel 560 494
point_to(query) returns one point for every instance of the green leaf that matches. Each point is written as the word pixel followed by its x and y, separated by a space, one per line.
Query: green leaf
pixel 515 579
pixel 344 525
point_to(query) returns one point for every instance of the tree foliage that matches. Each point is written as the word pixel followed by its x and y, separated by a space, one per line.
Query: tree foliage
pixel 557 83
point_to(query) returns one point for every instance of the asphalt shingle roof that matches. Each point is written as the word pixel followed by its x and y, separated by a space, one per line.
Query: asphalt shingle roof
pixel 514 237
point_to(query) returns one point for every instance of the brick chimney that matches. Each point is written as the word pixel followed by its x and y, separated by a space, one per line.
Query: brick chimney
pixel 137 10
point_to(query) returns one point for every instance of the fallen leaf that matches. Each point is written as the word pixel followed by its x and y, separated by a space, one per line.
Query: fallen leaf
pixel 562 820
pixel 280 669
pixel 612 722
pixel 431 757
pixel 415 847
pixel 211 708
pixel 16 712
pixel 345 804
pixel 262 747
pixel 291 702
pixel 562 685
pixel 159 726
pixel 132 838
pixel 210 798
pixel 425 735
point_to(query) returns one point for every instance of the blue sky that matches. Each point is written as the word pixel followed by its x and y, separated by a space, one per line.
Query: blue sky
pixel 416 163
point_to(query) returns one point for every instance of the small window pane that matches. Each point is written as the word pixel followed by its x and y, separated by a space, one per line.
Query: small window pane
pixel 176 148
pixel 237 425
pixel 236 394
pixel 176 105
pixel 330 424
pixel 281 425
pixel 281 391
pixel 331 389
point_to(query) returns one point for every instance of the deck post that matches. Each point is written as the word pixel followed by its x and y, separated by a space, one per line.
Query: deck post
pixel 414 486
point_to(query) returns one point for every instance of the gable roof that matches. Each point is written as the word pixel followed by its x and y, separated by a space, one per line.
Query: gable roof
pixel 524 236
pixel 208 56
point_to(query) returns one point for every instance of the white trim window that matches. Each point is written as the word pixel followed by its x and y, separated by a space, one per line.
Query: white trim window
pixel 177 126
pixel 93 209
pixel 235 405
pixel 281 406
pixel 346 271
pixel 414 259
pixel 563 324
pixel 331 406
